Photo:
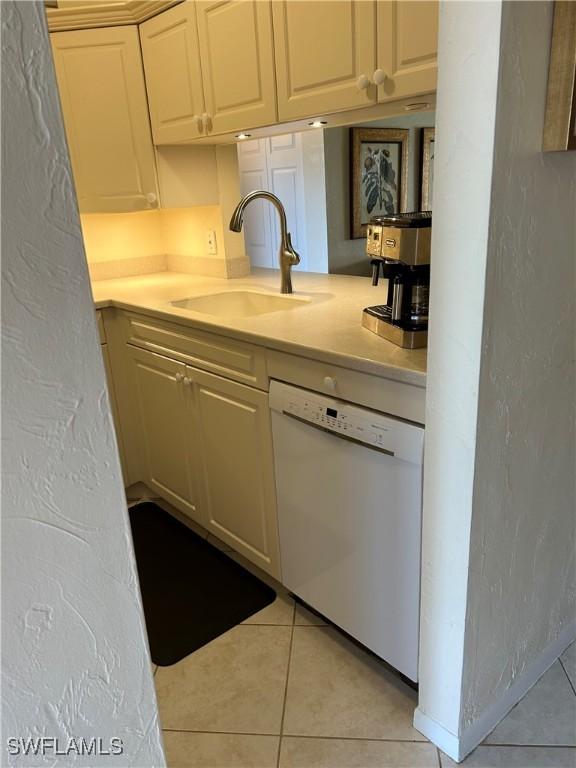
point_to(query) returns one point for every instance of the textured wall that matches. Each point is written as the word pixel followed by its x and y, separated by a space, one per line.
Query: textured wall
pixel 465 114
pixel 75 661
pixel 522 583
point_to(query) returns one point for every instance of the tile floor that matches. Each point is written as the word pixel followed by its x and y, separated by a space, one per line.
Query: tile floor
pixel 283 689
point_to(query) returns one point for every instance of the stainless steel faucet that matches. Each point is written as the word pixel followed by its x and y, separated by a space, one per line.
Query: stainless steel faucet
pixel 287 255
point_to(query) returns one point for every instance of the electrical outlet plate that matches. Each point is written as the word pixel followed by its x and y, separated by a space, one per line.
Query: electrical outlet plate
pixel 211 242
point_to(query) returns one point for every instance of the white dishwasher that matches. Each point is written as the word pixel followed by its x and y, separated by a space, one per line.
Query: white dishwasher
pixel 349 483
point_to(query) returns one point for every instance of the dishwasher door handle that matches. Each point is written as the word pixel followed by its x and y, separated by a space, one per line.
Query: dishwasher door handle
pixel 339 435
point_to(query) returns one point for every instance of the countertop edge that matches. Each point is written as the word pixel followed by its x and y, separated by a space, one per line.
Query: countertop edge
pixel 362 365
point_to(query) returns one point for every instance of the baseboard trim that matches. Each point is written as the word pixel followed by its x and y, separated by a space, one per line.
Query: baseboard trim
pixel 444 739
pixel 458 746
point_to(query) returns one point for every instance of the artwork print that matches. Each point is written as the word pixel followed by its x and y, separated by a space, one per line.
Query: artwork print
pixel 380 166
pixel 378 174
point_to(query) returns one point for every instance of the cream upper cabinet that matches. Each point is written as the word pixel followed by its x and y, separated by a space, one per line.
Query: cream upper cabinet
pixel 407 48
pixel 173 75
pixel 237 468
pixel 325 56
pixel 163 395
pixel 236 51
pixel 103 97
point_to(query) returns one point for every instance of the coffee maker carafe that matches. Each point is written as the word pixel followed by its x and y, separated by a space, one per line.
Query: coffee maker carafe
pixel 399 246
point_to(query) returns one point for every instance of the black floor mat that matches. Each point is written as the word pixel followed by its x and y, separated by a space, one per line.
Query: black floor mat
pixel 191 591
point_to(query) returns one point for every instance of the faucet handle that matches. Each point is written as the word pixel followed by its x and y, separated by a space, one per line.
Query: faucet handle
pixel 291 254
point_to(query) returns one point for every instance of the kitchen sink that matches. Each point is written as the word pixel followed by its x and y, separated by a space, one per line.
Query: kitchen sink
pixel 240 303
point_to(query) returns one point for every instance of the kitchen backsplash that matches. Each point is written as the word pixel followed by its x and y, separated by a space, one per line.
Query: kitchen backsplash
pixel 123 245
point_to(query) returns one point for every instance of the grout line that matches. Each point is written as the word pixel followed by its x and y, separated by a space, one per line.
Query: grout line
pixel 364 738
pixel 285 691
pixel 567 675
pixel 220 733
pixel 299 736
pixel 527 746
pixel 246 623
pixel 439 758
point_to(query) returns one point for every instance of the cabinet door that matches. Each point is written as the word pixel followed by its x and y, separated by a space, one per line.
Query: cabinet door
pixel 114 409
pixel 173 75
pixel 407 47
pixel 237 467
pixel 101 84
pixel 237 63
pixel 322 47
pixel 167 428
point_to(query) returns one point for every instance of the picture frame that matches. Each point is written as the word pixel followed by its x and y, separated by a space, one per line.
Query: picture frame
pixel 378 175
pixel 560 116
pixel 427 168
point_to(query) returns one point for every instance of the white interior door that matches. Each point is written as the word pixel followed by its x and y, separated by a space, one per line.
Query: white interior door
pixel 277 164
pixel 253 171
pixel 286 181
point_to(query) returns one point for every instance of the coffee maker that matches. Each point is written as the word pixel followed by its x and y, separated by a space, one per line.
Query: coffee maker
pixel 399 246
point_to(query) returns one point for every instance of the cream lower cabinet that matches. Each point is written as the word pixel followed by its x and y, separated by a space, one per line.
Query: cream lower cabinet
pixel 237 467
pixel 103 96
pixel 166 428
pixel 114 409
pixel 207 449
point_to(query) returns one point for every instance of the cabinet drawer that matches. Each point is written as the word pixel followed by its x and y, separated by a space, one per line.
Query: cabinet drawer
pixel 231 359
pixel 101 329
pixel 393 397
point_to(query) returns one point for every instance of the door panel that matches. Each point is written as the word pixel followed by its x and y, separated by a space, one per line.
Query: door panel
pixel 276 165
pixel 237 467
pixel 114 409
pixel 321 48
pixel 407 47
pixel 237 63
pixel 103 97
pixel 173 74
pixel 167 427
pixel 286 181
pixel 253 171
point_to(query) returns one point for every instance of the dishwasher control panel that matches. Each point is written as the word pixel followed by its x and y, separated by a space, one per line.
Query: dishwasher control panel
pixel 349 421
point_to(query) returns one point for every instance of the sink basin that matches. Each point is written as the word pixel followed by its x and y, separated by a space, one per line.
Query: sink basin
pixel 240 303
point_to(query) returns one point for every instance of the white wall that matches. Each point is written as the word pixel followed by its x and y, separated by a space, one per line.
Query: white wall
pixel 74 650
pixel 469 38
pixel 499 499
pixel 522 581
pixel 315 200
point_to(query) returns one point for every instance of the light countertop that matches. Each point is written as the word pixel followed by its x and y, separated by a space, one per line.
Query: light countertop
pixel 327 328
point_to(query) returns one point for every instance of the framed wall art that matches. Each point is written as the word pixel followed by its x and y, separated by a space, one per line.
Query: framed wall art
pixel 427 169
pixel 560 119
pixel 379 174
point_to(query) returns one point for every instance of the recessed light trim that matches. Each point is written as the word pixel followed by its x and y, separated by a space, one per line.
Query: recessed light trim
pixel 416 106
pixel 318 123
pixel 241 136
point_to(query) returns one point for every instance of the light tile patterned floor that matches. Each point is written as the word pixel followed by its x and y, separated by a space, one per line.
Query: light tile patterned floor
pixel 283 690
